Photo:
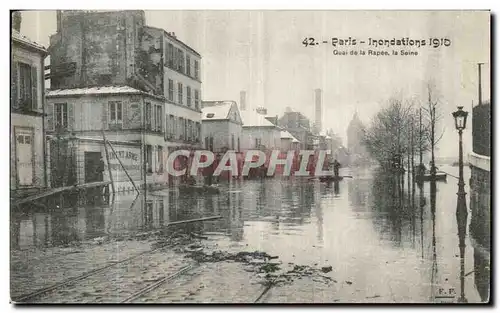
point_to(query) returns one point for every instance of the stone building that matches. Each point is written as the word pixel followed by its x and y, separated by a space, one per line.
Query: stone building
pixel 258 132
pixel 288 142
pixel 299 126
pixel 221 126
pixel 27 149
pixel 480 182
pixel 140 85
pixel 355 134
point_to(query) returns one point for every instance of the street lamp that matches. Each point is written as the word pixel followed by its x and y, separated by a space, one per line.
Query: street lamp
pixel 460 117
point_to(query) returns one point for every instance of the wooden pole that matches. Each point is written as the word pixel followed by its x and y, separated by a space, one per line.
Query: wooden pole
pixel 124 169
pixel 107 160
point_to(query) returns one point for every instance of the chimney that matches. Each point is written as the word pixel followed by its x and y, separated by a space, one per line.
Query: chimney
pixel 318 117
pixel 243 100
pixel 261 110
pixel 16 20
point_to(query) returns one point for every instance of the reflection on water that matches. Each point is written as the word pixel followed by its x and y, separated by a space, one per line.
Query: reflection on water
pixel 377 229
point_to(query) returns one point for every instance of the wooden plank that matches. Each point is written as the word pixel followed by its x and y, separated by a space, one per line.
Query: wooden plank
pixel 196 220
pixel 109 164
pixel 59 190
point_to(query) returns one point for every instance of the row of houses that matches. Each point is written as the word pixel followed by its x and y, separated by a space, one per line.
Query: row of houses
pixel 115 79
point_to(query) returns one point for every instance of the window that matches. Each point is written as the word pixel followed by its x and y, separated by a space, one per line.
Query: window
pixel 115 114
pixel 257 142
pixel 188 96
pixel 238 144
pixel 179 88
pixel 61 115
pixel 170 55
pixel 188 65
pixel 198 132
pixel 171 129
pixel 196 69
pixel 148 116
pixel 191 130
pixel 181 128
pixel 186 129
pixel 180 64
pixel 232 141
pixel 197 99
pixel 159 161
pixel 149 158
pixel 158 117
pixel 27 86
pixel 174 126
pixel 170 90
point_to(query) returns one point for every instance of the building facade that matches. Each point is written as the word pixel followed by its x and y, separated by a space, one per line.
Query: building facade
pixel 221 126
pixel 258 132
pixel 140 85
pixel 288 142
pixel 27 149
pixel 299 126
pixel 355 145
pixel 480 182
pixel 144 128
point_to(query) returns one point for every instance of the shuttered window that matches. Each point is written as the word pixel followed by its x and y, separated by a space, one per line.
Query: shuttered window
pixel 197 99
pixel 179 88
pixel 115 111
pixel 188 96
pixel 61 116
pixel 170 90
pixel 26 97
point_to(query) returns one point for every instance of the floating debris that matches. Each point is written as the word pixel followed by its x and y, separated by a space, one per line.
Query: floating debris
pixel 326 269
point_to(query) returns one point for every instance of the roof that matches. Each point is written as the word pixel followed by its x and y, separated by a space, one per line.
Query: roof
pixel 104 90
pixel 26 41
pixel 286 135
pixel 253 119
pixel 219 111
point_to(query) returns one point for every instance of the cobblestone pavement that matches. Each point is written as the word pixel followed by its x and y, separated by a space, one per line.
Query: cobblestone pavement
pixel 309 290
pixel 221 282
pixel 120 282
pixel 33 270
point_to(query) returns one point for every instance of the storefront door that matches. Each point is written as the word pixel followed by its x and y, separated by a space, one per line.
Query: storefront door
pixel 24 156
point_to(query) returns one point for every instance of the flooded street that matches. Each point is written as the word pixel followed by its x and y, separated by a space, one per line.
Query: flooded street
pixel 383 246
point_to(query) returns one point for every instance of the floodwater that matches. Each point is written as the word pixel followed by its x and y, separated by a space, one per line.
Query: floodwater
pixel 404 247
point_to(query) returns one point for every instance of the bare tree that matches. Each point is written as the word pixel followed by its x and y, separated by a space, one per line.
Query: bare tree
pixel 433 115
pixel 386 137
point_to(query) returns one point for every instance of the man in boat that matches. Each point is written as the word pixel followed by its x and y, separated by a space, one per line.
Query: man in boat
pixel 336 167
pixel 421 169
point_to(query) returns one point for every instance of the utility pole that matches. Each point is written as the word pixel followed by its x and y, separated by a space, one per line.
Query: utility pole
pixel 479 91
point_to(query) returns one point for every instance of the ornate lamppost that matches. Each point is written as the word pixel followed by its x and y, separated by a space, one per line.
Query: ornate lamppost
pixel 460 117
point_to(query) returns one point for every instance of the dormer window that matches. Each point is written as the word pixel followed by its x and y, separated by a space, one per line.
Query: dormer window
pixel 210 115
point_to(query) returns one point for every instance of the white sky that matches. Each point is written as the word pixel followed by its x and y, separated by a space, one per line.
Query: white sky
pixel 262 52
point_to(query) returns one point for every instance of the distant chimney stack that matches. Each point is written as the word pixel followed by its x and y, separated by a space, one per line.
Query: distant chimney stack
pixel 16 20
pixel 243 100
pixel 261 110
